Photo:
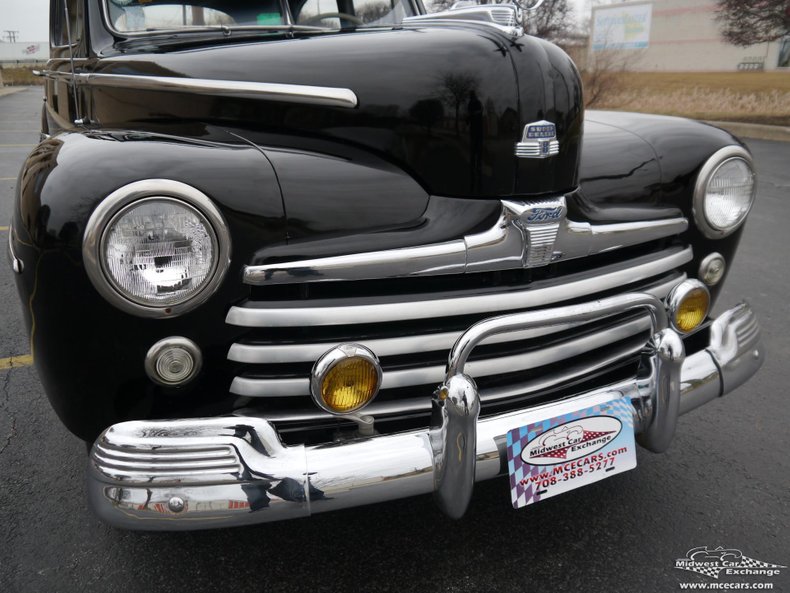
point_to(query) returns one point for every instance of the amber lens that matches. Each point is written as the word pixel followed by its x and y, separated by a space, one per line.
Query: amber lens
pixel 350 384
pixel 692 310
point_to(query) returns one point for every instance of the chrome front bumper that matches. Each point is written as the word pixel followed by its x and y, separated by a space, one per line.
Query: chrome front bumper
pixel 227 471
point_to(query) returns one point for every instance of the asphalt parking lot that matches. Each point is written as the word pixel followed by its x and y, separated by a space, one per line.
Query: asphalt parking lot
pixel 725 481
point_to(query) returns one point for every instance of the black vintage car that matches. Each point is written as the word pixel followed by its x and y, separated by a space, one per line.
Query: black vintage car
pixel 280 257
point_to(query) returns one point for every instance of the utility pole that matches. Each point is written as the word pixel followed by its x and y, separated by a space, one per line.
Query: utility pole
pixel 12 36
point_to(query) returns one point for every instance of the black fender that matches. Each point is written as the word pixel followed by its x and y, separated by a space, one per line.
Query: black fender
pixel 90 354
pixel 636 166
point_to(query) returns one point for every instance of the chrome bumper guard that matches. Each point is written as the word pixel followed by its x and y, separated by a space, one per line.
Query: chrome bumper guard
pixel 228 471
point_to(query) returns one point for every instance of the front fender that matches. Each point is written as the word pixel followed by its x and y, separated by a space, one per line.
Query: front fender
pixel 90 354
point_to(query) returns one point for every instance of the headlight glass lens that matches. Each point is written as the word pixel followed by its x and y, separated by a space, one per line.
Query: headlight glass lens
pixel 729 194
pixel 159 252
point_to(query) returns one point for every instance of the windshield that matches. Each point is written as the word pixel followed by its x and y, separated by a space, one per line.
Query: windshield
pixel 139 16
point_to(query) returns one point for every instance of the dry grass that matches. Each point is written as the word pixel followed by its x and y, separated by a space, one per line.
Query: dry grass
pixel 754 97
pixel 20 76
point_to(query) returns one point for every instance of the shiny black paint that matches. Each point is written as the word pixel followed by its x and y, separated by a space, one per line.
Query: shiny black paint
pixel 549 88
pixel 444 219
pixel 75 328
pixel 446 104
pixel 328 195
pixel 89 355
pixel 663 184
pixel 301 182
pixel 413 100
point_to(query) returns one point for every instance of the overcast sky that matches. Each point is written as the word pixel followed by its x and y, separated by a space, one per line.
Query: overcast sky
pixel 31 18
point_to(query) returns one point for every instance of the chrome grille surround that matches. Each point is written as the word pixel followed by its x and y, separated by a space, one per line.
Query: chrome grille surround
pixel 270 379
pixel 527 234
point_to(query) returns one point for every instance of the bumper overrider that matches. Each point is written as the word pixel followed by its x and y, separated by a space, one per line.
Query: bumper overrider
pixel 234 470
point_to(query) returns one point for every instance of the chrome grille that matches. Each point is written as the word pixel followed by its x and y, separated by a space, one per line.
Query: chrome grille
pixel 503 16
pixel 274 372
pixel 207 463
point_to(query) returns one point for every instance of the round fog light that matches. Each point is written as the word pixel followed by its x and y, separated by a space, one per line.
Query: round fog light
pixel 345 379
pixel 173 361
pixel 711 269
pixel 688 305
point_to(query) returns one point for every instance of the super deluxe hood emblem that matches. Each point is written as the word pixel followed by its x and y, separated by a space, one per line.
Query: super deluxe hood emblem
pixel 539 141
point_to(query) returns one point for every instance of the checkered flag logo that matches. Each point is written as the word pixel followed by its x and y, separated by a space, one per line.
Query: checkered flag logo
pixel 747 562
pixel 587 435
pixel 711 562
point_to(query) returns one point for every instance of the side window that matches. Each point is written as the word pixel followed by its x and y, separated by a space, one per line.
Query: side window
pixel 330 13
pixel 59 32
pixel 311 12
pixel 127 17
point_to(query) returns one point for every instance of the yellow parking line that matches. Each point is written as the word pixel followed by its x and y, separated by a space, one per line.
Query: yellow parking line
pixel 15 361
pixel 7 178
pixel 17 145
pixel 3 229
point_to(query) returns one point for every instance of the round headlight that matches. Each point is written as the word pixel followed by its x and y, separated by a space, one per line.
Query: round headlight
pixel 156 248
pixel 724 193
pixel 159 251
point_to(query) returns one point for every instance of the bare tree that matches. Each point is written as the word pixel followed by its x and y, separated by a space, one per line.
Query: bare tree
pixel 455 89
pixel 604 67
pixel 553 20
pixel 600 76
pixel 427 113
pixel 758 21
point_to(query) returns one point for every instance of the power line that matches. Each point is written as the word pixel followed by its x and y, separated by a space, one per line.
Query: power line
pixel 12 36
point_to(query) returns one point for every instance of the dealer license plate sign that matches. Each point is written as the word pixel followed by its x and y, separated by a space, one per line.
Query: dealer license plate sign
pixel 559 454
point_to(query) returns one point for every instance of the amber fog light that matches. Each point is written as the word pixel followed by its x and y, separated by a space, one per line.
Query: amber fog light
pixel 688 305
pixel 173 361
pixel 345 379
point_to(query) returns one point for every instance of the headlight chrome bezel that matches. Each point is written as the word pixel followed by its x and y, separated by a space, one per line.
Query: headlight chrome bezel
pixel 114 205
pixel 706 174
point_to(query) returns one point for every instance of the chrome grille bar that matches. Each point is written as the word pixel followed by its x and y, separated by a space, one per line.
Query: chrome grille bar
pixel 570 372
pixel 209 463
pixel 257 314
pixel 310 352
pixel 300 387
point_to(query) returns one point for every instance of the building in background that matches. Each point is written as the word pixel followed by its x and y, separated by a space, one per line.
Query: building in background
pixel 678 35
pixel 23 53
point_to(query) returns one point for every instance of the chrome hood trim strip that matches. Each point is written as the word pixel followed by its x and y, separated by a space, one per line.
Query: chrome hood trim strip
pixel 262 314
pixel 270 91
pixel 526 235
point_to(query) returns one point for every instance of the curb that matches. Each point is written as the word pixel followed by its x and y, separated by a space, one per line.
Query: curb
pixel 10 90
pixel 754 131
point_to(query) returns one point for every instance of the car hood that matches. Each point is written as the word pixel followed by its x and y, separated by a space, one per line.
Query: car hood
pixel 440 103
